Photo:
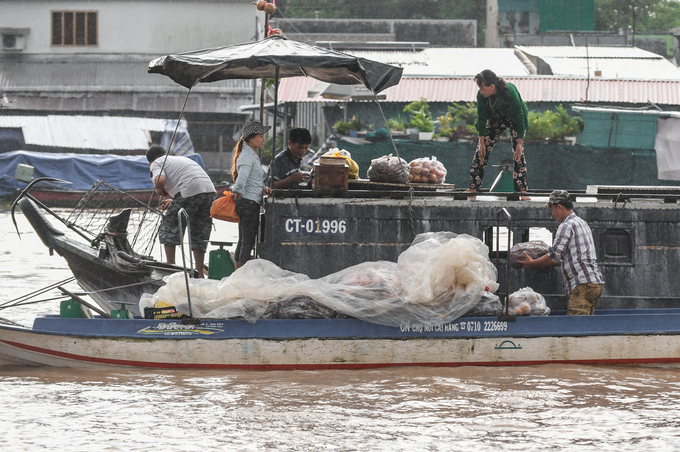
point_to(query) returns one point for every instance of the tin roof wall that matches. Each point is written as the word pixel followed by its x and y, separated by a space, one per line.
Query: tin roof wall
pixel 111 83
pixel 103 133
pixel 533 89
pixel 603 61
pixel 95 72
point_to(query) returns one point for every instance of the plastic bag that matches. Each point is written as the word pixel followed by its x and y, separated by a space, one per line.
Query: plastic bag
pixel 380 292
pixel 426 171
pixel 388 169
pixel 534 249
pixel 527 302
pixel 489 305
pixel 353 166
pixel 224 208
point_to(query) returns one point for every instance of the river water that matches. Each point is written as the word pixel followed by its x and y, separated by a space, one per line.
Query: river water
pixel 536 408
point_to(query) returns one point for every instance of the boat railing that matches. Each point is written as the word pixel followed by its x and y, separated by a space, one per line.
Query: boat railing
pixel 183 215
pixel 505 317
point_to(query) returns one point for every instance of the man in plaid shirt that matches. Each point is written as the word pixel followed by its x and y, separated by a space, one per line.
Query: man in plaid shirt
pixel 574 250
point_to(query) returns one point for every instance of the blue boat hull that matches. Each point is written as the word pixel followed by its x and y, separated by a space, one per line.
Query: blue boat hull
pixel 615 337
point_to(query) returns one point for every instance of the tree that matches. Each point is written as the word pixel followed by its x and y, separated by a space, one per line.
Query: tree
pixel 612 15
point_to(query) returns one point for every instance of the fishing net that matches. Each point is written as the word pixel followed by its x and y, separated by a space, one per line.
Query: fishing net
pixel 99 214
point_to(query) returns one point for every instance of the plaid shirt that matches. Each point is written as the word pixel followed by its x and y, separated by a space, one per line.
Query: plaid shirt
pixel 574 246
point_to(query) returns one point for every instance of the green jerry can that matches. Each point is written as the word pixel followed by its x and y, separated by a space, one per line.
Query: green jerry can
pixel 71 309
pixel 220 263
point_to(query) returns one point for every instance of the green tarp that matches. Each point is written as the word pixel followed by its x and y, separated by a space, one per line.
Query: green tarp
pixel 550 166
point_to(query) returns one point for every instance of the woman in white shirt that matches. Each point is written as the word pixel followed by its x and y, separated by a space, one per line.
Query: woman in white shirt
pixel 248 187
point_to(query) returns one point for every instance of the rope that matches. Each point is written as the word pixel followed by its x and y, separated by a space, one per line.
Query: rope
pixel 26 303
pixel 411 191
pixel 18 300
pixel 124 286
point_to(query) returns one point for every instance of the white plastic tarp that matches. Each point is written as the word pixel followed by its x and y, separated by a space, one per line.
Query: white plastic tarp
pixel 667 147
pixel 440 277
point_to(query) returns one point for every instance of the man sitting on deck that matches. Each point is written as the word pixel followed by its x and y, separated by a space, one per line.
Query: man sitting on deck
pixel 574 249
pixel 286 167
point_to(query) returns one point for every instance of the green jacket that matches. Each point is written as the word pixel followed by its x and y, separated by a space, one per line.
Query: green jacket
pixel 511 104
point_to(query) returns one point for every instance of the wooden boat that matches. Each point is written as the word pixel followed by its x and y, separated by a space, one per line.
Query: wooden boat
pixel 637 320
pixel 111 264
pixel 649 337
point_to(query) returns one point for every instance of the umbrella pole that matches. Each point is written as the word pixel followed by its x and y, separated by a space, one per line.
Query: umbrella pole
pixel 276 108
pixel 262 101
pixel 266 26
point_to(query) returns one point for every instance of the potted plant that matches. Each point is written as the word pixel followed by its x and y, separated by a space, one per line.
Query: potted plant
pixel 355 126
pixel 342 127
pixel 459 122
pixel 397 124
pixel 421 118
pixel 425 125
pixel 553 126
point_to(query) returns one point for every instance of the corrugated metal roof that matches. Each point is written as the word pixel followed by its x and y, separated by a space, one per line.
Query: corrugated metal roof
pixel 532 89
pixel 591 51
pixel 449 61
pixel 95 73
pixel 609 62
pixel 104 133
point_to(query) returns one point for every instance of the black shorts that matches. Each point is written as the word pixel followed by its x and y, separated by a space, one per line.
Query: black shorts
pixel 200 222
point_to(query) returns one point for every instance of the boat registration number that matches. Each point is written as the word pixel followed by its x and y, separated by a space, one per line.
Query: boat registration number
pixel 299 225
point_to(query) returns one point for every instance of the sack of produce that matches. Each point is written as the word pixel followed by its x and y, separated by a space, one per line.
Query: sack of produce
pixel 388 169
pixel 527 302
pixel 426 171
pixel 534 249
pixel 353 166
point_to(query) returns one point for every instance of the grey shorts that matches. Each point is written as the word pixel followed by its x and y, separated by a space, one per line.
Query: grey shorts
pixel 200 222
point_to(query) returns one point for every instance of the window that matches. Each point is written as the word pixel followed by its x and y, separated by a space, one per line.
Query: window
pixel 617 246
pixel 74 28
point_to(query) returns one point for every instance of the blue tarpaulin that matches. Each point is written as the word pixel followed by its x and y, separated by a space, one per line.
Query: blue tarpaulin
pixel 82 170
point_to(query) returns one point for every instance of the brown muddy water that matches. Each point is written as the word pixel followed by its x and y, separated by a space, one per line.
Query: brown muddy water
pixel 541 408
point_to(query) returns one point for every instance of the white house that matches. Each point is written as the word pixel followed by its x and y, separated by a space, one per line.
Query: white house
pixel 91 58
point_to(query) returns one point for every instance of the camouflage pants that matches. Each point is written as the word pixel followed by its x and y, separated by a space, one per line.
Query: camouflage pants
pixel 200 222
pixel 494 128
pixel 583 298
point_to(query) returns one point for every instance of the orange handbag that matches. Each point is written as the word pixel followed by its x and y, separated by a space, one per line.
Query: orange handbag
pixel 224 208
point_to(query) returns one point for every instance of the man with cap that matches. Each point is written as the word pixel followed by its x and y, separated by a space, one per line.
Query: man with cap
pixel 573 249
pixel 186 186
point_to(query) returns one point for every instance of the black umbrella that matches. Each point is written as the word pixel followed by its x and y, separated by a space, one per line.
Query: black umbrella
pixel 271 56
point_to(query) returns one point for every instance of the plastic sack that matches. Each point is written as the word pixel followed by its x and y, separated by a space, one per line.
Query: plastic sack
pixel 353 166
pixel 388 169
pixel 382 292
pixel 527 302
pixel 534 249
pixel 224 208
pixel 426 171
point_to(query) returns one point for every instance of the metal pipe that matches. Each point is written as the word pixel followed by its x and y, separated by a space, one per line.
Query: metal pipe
pixel 180 214
pixel 507 266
